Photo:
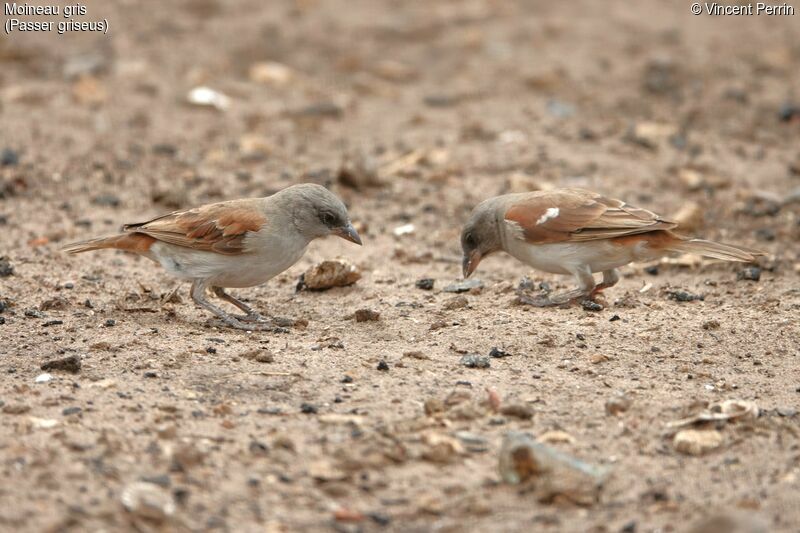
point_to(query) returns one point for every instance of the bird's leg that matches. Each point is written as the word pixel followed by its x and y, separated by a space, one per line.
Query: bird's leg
pixel 610 278
pixel 250 314
pixel 585 290
pixel 198 292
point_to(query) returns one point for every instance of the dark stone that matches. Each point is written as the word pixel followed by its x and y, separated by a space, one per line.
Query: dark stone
pixel 71 364
pixel 380 518
pixel 441 100
pixel 71 411
pixel 589 305
pixel 652 270
pixel 614 318
pixel 683 296
pixel 367 315
pixel 426 284
pixel 661 77
pixel 110 323
pixel 165 149
pixel 258 448
pixel 161 480
pixel 106 200
pixel 320 110
pixel 6 268
pixel 150 374
pixel 9 158
pixel 52 323
pixel 464 286
pixel 347 379
pixel 749 273
pixel 383 366
pixel 788 111
pixel 181 495
pixel 473 360
pixel 498 353
pixel 526 284
pixel 308 409
pixel 765 234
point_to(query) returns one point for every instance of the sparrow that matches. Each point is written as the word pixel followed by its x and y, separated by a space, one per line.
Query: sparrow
pixel 234 244
pixel 577 232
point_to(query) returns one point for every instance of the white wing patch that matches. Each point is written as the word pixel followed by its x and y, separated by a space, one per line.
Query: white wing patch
pixel 552 212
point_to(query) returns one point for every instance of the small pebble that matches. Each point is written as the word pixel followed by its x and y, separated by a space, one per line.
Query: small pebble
pixel 749 273
pixel 383 366
pixel 106 200
pixel 765 234
pixel 71 411
pixel 683 296
pixel 614 318
pixel 367 315
pixel 464 286
pixel 473 360
pixel 617 404
pixel 6 268
pixel 498 353
pixel 380 518
pixel 590 305
pixel 150 374
pixel 652 270
pixel 9 157
pixel 308 409
pixel 160 480
pixel 71 364
pixel 517 410
pixel 426 284
pixel 110 323
pixel 788 111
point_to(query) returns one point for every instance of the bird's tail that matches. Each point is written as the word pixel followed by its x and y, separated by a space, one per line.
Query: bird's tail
pixel 716 250
pixel 130 242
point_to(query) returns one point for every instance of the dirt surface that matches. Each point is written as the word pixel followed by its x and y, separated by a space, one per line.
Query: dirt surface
pixel 443 104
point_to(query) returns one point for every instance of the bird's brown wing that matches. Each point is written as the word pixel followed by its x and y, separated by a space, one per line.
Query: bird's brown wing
pixel 220 227
pixel 576 215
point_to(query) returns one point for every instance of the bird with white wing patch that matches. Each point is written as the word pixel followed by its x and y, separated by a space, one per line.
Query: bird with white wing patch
pixel 577 232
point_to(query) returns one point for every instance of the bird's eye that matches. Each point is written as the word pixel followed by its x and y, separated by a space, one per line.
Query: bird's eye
pixel 328 219
pixel 470 240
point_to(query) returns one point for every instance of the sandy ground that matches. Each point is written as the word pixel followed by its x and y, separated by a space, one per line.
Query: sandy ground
pixel 446 103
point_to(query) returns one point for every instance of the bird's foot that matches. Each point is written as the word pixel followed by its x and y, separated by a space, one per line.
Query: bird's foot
pixel 251 317
pixel 254 317
pixel 564 299
pixel 252 324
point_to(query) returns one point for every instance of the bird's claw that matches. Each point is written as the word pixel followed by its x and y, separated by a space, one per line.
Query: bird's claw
pixel 565 299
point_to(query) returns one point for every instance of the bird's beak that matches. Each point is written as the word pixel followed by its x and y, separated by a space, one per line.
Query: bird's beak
pixel 470 263
pixel 348 233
